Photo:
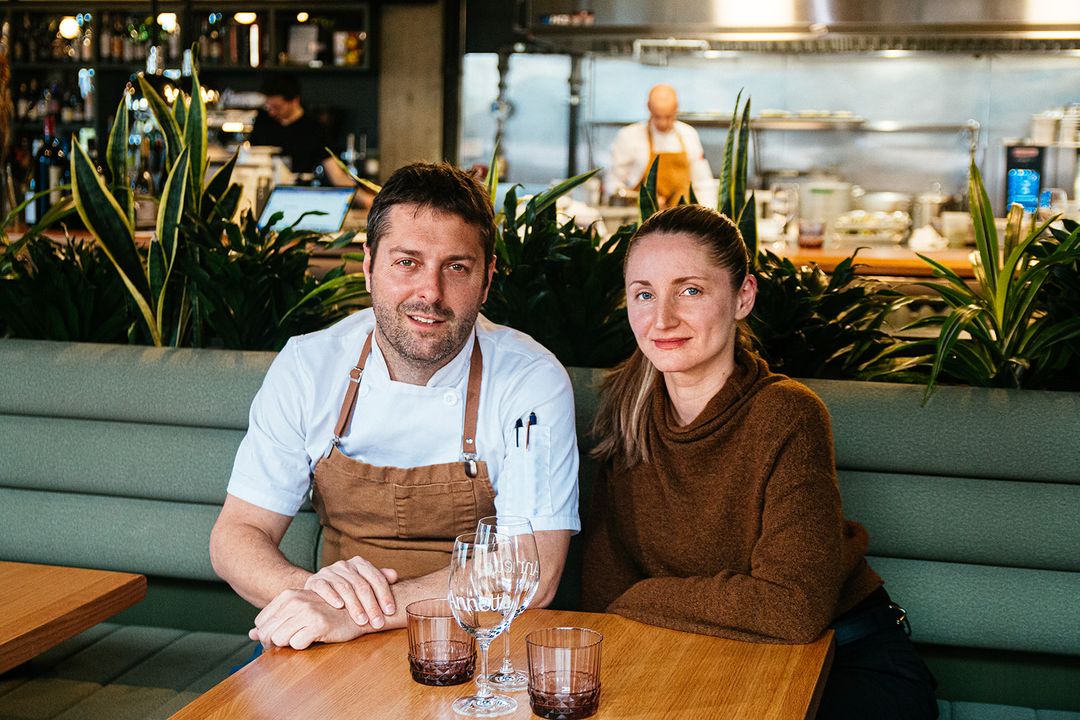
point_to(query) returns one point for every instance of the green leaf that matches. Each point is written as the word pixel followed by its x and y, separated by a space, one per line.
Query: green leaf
pixel 105 220
pixel 117 155
pixel 493 176
pixel 647 202
pixel 1014 221
pixel 224 210
pixel 546 199
pixel 174 141
pixel 748 226
pixel 219 181
pixel 179 111
pixel 117 161
pixel 157 272
pixel 738 200
pixel 195 138
pixel 725 203
pixel 950 333
pixel 366 184
pixel 950 275
pixel 171 207
pixel 986 241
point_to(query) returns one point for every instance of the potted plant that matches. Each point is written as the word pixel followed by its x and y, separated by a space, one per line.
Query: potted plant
pixel 204 278
pixel 1004 331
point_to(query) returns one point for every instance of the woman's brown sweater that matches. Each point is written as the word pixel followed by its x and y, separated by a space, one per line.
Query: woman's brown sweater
pixel 734 527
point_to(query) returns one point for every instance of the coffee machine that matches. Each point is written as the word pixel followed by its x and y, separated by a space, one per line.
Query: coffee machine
pixel 1049 159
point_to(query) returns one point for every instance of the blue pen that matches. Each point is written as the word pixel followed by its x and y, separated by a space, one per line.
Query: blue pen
pixel 517 433
pixel 532 421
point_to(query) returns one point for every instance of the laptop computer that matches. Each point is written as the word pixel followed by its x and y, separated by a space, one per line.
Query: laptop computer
pixel 295 200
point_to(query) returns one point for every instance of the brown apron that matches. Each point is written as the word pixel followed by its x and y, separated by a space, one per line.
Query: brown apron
pixel 402 518
pixel 672 174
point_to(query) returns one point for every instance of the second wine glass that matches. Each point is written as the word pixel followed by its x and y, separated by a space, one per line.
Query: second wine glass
pixel 483 598
pixel 519 532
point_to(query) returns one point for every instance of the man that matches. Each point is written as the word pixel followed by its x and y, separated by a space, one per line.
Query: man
pixel 284 123
pixel 444 419
pixel 682 159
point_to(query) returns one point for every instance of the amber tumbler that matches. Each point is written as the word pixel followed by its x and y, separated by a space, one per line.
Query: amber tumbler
pixel 440 652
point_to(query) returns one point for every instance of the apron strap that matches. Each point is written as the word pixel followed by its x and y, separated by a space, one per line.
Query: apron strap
pixel 472 402
pixel 472 409
pixel 349 404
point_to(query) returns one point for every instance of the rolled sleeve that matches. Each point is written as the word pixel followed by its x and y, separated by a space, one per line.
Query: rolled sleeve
pixel 272 468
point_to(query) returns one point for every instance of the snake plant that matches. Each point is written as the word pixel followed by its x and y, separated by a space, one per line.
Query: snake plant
pixel 733 200
pixel 998 332
pixel 107 209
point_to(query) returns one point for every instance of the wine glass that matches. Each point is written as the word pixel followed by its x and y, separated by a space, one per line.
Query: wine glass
pixel 520 533
pixel 483 597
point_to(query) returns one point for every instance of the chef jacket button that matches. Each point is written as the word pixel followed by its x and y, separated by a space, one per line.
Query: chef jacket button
pixel 365 390
pixel 450 397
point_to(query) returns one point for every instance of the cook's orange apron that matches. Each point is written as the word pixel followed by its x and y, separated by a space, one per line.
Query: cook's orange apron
pixel 402 518
pixel 672 174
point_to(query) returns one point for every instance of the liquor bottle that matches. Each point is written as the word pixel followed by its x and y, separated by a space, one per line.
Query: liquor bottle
pixel 349 156
pixel 19 45
pixel 30 34
pixel 48 168
pixel 22 102
pixel 30 210
pixel 119 46
pixel 105 35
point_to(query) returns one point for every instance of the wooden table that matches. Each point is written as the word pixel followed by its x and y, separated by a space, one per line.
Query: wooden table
pixel 893 260
pixel 647 672
pixel 43 605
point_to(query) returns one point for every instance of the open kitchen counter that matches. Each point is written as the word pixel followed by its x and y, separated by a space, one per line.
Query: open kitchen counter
pixel 892 260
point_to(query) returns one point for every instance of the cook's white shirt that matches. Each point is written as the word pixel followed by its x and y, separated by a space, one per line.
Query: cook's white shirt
pixel 396 424
pixel 630 156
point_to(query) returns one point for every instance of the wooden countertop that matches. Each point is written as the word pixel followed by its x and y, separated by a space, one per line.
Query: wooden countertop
pixel 646 672
pixel 43 605
pixel 895 260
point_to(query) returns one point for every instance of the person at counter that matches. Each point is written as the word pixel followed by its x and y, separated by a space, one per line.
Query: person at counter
pixel 717 508
pixel 682 159
pixel 408 446
pixel 284 123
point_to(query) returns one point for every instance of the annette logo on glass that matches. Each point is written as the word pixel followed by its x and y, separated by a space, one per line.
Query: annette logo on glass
pixel 502 602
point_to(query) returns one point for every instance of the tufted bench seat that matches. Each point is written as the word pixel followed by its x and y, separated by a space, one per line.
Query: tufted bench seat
pixel 116 457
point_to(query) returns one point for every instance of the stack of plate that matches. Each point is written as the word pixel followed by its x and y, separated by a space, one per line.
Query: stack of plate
pixel 860 226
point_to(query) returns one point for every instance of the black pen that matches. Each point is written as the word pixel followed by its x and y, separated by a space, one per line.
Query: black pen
pixel 532 421
pixel 517 433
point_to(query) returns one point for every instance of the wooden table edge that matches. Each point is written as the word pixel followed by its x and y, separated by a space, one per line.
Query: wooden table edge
pixel 56 631
pixel 823 677
pixel 204 705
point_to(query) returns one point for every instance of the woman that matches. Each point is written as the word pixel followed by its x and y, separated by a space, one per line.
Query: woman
pixel 718 509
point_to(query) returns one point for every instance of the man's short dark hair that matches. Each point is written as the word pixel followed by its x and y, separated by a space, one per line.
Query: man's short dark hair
pixel 441 187
pixel 281 85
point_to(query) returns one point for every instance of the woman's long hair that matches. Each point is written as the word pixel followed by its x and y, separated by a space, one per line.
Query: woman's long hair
pixel 624 419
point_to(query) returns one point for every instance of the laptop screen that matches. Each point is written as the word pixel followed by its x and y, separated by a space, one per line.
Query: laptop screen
pixel 294 200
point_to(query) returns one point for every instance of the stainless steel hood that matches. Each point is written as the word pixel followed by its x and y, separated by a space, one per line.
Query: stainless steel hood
pixel 802 25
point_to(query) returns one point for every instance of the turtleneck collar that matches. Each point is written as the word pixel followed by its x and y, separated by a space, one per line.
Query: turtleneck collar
pixel 750 375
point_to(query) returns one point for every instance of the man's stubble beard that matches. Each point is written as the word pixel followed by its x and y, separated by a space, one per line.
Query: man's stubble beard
pixel 422 354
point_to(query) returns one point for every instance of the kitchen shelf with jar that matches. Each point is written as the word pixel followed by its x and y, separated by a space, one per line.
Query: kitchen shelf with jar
pixel 814 124
pixel 783 121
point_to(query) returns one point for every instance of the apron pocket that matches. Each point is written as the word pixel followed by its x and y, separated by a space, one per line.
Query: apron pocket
pixel 439 510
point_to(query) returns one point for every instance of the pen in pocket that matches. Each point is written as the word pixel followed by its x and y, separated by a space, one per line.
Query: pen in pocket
pixel 517 433
pixel 532 421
